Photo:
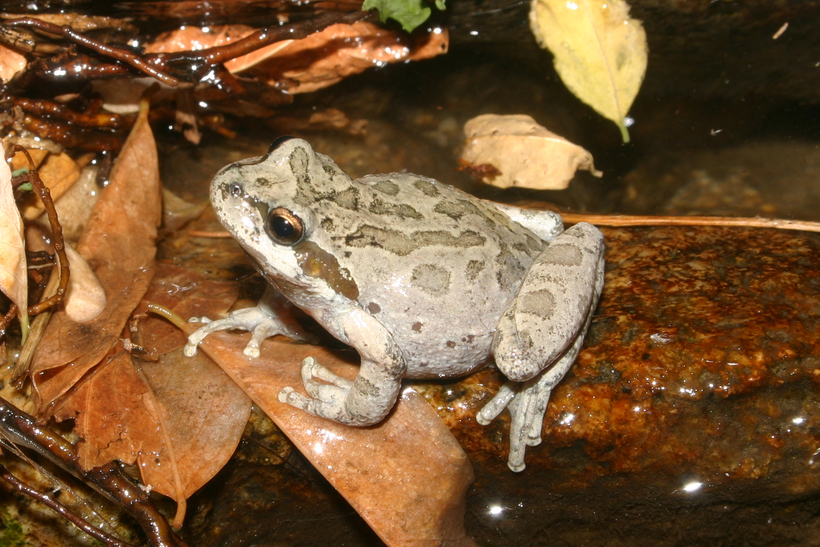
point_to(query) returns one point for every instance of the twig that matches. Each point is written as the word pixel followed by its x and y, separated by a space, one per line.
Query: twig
pixel 639 220
pixel 192 64
pixel 46 499
pixel 57 231
pixel 106 479
pixel 39 107
pixel 104 49
pixel 264 37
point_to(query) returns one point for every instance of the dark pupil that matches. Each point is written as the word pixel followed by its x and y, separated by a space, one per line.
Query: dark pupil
pixel 282 227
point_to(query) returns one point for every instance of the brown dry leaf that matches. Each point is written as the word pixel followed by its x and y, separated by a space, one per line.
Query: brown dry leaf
pixel 320 60
pixel 526 154
pixel 11 63
pixel 13 270
pixel 407 477
pixel 119 244
pixel 179 418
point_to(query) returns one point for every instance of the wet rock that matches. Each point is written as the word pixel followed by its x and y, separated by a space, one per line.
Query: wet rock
pixel 691 413
pixel 690 417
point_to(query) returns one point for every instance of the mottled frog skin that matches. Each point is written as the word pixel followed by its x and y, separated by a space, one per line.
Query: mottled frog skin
pixel 423 280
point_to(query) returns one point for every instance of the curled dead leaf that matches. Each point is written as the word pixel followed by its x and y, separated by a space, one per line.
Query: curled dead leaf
pixel 320 60
pixel 120 241
pixel 11 63
pixel 600 52
pixel 85 297
pixel 13 271
pixel 523 153
pixel 75 206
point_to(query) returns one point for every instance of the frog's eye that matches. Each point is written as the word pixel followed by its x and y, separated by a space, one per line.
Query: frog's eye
pixel 284 227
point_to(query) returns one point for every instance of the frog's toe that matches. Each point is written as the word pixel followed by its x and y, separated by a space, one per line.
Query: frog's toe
pixel 492 409
pixel 288 396
pixel 312 369
pixel 252 349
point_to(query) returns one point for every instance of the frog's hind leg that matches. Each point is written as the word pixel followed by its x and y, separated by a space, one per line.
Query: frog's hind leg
pixel 527 402
pixel 542 331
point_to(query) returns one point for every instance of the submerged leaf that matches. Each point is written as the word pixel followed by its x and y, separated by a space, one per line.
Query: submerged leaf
pixel 13 273
pixel 523 153
pixel 600 52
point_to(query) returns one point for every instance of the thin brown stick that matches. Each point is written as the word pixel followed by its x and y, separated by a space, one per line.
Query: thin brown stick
pixel 209 233
pixel 194 63
pixel 640 220
pixel 104 49
pixel 56 230
pixel 39 107
pixel 63 511
pixel 107 479
pixel 264 37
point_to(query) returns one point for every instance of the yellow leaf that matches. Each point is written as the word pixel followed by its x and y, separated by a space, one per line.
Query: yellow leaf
pixel 600 52
pixel 13 272
pixel 526 154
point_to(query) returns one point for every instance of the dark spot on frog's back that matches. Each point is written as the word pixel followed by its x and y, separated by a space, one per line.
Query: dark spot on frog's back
pixel 426 187
pixel 457 209
pixel 387 187
pixel 347 198
pixel 402 244
pixel 401 210
pixel 374 308
pixel 431 279
pixel 263 182
pixel 417 326
pixel 474 267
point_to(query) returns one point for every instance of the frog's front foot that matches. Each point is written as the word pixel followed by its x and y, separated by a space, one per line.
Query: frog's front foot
pixel 327 398
pixel 258 321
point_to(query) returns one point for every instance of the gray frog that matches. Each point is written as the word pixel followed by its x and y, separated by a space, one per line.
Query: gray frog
pixel 423 280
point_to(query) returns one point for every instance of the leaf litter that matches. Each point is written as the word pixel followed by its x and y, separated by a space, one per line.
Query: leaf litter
pixel 13 270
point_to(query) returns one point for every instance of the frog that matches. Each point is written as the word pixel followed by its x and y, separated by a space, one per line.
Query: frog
pixel 423 280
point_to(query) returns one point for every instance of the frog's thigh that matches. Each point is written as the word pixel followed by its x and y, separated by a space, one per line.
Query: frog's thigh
pixel 552 305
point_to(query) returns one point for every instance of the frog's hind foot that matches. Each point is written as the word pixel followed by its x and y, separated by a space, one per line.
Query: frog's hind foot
pixel 527 402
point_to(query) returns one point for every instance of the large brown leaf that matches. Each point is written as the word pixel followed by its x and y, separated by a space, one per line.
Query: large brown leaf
pixel 179 418
pixel 119 244
pixel 407 477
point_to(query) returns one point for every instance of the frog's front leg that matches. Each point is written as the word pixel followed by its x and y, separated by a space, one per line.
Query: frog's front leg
pixel 543 330
pixel 367 399
pixel 270 317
